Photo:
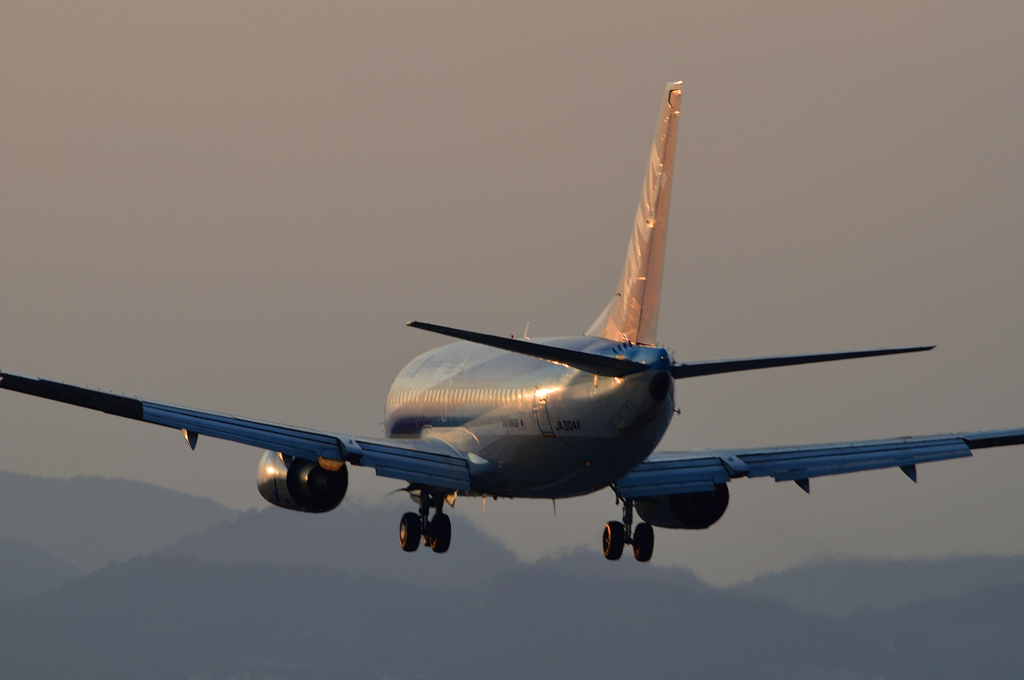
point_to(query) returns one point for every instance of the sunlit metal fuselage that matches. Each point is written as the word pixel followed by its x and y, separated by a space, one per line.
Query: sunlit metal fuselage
pixel 531 428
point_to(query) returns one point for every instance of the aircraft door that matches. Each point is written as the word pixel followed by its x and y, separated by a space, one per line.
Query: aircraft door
pixel 540 412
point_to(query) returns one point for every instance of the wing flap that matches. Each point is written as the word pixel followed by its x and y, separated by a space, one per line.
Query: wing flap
pixel 819 461
pixel 288 440
pixel 422 461
pixel 666 473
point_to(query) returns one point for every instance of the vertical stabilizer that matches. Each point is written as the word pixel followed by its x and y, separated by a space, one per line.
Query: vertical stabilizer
pixel 633 313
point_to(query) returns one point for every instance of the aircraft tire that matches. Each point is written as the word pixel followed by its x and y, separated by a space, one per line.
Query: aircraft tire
pixel 643 542
pixel 409 532
pixel 440 533
pixel 614 539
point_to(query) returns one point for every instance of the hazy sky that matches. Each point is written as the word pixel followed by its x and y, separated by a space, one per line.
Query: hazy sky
pixel 237 206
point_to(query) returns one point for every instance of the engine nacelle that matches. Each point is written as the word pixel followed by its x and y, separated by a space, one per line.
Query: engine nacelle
pixel 299 484
pixel 684 510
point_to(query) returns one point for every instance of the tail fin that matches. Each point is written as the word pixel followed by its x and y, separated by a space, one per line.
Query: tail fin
pixel 633 313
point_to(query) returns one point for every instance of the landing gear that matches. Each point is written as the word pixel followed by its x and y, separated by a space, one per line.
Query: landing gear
pixel 614 539
pixel 436 532
pixel 409 532
pixel 619 534
pixel 643 542
pixel 440 535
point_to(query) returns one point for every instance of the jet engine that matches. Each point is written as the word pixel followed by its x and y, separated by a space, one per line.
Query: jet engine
pixel 299 484
pixel 684 510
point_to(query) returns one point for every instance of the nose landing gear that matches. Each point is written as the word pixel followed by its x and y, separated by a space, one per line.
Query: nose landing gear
pixel 619 534
pixel 436 532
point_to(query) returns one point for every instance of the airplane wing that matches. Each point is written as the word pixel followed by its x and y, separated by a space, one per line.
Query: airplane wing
pixel 694 471
pixel 418 461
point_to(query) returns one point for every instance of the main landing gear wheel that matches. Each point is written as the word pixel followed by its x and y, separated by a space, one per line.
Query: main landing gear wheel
pixel 440 535
pixel 417 526
pixel 618 534
pixel 409 532
pixel 643 542
pixel 614 538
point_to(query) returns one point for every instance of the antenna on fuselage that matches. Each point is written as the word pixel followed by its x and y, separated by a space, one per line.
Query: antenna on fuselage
pixel 526 333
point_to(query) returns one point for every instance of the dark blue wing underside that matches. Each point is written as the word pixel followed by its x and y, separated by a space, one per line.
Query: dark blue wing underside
pixel 694 471
pixel 417 461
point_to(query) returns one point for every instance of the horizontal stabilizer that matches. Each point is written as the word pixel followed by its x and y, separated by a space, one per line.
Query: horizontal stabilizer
pixel 584 361
pixel 699 368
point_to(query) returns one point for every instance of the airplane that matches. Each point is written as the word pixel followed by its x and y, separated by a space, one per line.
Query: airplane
pixel 547 418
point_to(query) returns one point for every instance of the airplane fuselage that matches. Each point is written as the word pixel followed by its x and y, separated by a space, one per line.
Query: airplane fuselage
pixel 532 428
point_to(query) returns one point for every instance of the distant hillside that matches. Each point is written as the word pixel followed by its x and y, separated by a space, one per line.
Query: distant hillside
pixel 51 529
pixel 89 521
pixel 364 541
pixel 277 594
pixel 842 587
pixel 171 616
pixel 357 540
pixel 590 563
pixel 26 570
